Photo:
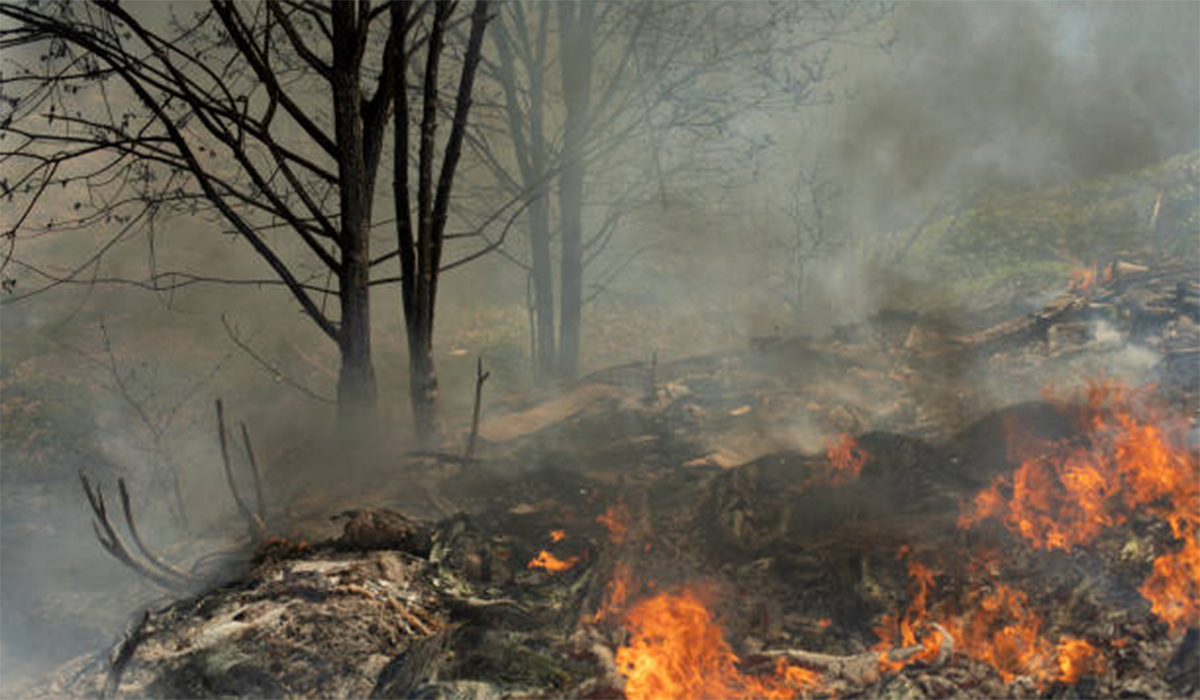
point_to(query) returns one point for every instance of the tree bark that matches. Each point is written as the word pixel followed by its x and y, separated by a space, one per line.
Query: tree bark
pixel 532 155
pixel 356 379
pixel 420 256
pixel 576 22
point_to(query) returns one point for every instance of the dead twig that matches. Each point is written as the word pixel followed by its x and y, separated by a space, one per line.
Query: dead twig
pixel 115 546
pixel 480 378
pixel 165 567
pixel 259 495
pixel 274 371
pixel 257 529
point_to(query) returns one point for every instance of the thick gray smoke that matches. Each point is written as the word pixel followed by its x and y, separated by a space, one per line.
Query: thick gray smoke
pixel 1002 94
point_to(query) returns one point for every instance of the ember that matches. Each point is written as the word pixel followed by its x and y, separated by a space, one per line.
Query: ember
pixel 558 535
pixel 549 562
pixel 677 651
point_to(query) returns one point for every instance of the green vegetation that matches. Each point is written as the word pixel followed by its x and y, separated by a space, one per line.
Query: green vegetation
pixel 1030 241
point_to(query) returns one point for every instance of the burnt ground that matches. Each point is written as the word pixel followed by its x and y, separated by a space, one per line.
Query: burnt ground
pixel 714 466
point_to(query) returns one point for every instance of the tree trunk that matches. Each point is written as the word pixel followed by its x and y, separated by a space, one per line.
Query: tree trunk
pixel 356 379
pixel 420 256
pixel 533 163
pixel 576 21
pixel 543 289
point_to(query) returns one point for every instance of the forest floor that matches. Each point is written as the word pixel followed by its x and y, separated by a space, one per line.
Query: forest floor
pixel 870 514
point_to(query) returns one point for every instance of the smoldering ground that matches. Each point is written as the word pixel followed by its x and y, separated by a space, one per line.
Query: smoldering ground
pixel 986 95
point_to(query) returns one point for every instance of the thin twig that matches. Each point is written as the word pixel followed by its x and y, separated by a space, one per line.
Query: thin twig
pixel 269 367
pixel 480 378
pixel 137 538
pixel 112 543
pixel 258 480
pixel 255 525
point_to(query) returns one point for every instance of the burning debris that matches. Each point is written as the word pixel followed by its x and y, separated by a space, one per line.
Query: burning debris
pixel 677 650
pixel 1131 456
pixel 1046 549
pixel 846 459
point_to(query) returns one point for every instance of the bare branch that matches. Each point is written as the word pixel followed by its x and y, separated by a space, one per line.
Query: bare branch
pixel 255 524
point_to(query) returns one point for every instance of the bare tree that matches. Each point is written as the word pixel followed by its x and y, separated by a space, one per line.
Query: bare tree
pixel 420 255
pixel 637 83
pixel 812 210
pixel 269 118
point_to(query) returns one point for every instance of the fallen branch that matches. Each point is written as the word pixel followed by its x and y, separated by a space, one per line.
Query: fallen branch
pixel 860 669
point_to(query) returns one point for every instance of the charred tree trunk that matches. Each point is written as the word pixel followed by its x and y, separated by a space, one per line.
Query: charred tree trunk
pixel 420 255
pixel 356 379
pixel 577 22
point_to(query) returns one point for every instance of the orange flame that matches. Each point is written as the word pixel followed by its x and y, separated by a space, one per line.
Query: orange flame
pixel 549 562
pixel 845 459
pixel 1172 585
pixel 558 535
pixel 1076 657
pixel 1080 279
pixel 1000 630
pixel 901 631
pixel 1132 458
pixel 1005 633
pixel 677 651
pixel 616 519
pixel 616 592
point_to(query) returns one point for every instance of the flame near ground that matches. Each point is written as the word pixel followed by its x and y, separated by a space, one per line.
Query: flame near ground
pixel 1131 455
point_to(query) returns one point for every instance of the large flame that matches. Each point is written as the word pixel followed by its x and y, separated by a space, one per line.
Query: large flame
pixel 677 651
pixel 1132 458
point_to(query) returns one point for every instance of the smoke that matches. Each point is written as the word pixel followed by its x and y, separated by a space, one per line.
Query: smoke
pixel 1017 94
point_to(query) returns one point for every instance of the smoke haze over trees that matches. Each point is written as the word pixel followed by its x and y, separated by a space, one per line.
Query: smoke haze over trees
pixel 273 202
